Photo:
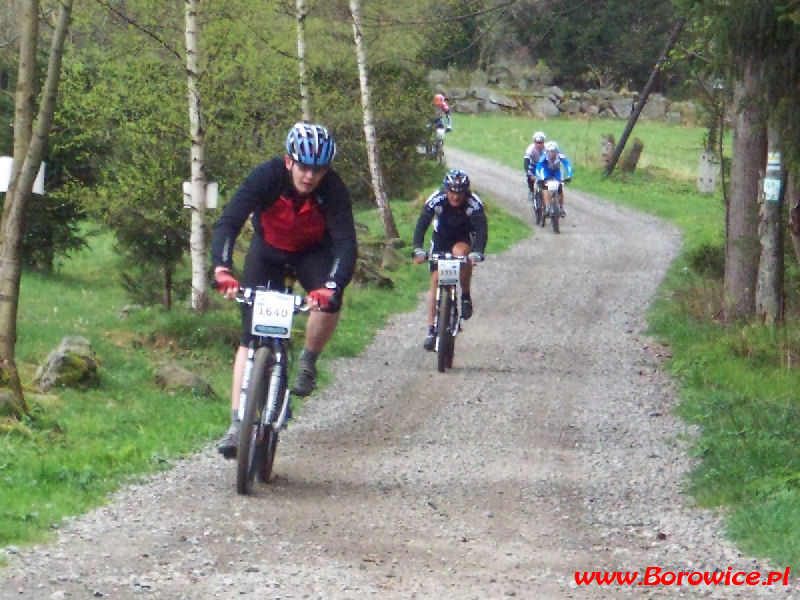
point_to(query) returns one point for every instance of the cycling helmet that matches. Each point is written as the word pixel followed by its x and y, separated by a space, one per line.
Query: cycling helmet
pixel 439 100
pixel 310 144
pixel 551 147
pixel 539 136
pixel 456 181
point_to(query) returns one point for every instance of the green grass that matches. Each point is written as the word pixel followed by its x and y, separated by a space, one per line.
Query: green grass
pixel 80 444
pixel 737 382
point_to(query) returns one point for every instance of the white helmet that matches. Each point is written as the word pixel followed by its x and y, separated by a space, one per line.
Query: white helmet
pixel 551 147
pixel 539 136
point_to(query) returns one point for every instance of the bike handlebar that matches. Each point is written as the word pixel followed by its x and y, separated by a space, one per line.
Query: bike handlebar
pixel 247 295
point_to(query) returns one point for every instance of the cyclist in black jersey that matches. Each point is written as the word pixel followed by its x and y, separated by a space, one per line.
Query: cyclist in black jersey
pixel 459 227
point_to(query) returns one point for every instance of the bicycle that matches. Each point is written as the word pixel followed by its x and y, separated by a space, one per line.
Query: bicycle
pixel 556 204
pixel 535 198
pixel 434 146
pixel 446 317
pixel 265 404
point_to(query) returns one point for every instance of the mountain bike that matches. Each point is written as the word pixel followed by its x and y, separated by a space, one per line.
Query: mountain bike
pixel 434 146
pixel 535 198
pixel 446 318
pixel 556 204
pixel 265 405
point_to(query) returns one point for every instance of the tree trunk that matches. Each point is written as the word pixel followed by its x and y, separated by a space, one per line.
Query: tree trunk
pixel 29 145
pixel 793 201
pixel 742 247
pixel 389 227
pixel 197 238
pixel 305 100
pixel 769 289
pixel 631 158
pixel 673 37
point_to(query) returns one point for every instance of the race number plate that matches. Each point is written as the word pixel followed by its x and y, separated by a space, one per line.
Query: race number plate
pixel 272 314
pixel 448 272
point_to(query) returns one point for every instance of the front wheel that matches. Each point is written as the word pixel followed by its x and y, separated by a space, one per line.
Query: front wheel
pixel 253 437
pixel 446 341
pixel 556 206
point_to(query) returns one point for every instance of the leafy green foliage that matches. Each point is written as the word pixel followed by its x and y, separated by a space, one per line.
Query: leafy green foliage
pixel 605 43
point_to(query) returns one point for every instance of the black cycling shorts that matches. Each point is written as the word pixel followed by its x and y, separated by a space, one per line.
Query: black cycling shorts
pixel 265 266
pixel 444 243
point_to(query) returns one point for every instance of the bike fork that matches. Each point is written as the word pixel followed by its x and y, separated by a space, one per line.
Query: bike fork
pixel 275 377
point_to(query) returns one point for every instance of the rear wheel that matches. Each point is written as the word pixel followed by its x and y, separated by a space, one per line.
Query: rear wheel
pixel 253 437
pixel 445 353
pixel 556 204
pixel 440 153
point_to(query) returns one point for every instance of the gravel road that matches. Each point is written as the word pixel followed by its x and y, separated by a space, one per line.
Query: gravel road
pixel 550 448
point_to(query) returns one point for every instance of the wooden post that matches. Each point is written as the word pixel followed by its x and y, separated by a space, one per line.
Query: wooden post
pixel 631 158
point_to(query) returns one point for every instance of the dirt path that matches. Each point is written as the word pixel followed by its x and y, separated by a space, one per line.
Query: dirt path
pixel 548 449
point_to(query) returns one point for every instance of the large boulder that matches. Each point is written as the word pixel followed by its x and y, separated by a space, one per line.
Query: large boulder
pixel 71 364
pixel 655 108
pixel 543 108
pixel 174 378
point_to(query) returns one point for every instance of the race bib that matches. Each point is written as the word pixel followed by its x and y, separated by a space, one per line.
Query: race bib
pixel 448 272
pixel 272 314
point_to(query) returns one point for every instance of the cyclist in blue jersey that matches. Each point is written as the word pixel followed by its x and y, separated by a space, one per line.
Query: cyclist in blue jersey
pixel 553 165
pixel 459 227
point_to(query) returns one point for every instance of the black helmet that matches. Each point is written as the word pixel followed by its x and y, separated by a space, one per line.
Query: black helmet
pixel 456 181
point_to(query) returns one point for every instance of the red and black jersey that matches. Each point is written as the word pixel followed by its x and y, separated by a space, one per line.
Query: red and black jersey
pixel 267 196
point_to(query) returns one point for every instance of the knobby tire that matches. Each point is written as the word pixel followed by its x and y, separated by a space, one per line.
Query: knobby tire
pixel 445 353
pixel 271 433
pixel 556 213
pixel 252 452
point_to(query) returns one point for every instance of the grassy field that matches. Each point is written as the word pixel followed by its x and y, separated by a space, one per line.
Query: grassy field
pixel 738 383
pixel 79 445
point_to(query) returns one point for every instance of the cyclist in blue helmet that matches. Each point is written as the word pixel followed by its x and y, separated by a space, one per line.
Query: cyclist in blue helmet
pixel 301 215
pixel 459 227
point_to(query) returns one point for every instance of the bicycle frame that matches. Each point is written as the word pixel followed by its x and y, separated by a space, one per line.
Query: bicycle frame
pixel 447 318
pixel 264 404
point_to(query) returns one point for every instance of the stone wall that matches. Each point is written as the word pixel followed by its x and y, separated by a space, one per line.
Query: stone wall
pixel 487 93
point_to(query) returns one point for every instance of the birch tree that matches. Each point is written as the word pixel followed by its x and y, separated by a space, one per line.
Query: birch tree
pixel 305 100
pixel 30 137
pixel 197 238
pixel 769 288
pixel 381 199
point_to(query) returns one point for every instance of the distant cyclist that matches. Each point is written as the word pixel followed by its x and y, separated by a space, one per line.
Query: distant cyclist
pixel 552 166
pixel 459 227
pixel 301 215
pixel 442 117
pixel 533 153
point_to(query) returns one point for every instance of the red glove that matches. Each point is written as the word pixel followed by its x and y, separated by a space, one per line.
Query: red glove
pixel 225 281
pixel 322 296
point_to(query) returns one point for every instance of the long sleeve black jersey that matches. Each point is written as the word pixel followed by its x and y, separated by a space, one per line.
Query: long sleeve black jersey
pixel 262 188
pixel 453 221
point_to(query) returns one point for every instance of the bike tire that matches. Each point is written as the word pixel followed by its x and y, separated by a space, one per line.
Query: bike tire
pixel 444 353
pixel 269 447
pixel 555 224
pixel 270 444
pixel 251 452
pixel 440 153
pixel 451 350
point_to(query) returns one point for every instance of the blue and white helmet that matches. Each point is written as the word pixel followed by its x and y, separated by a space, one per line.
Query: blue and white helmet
pixel 456 181
pixel 310 144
